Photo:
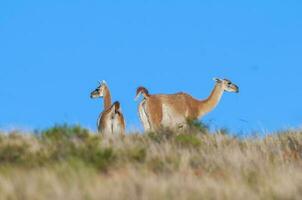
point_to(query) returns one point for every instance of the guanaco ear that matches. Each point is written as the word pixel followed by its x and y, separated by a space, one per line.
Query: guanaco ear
pixel 142 91
pixel 138 93
pixel 136 96
pixel 217 80
pixel 103 82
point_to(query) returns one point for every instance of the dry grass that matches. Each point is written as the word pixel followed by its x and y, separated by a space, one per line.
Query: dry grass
pixel 150 166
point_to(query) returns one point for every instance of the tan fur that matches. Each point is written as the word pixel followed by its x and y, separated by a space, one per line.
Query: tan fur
pixel 143 113
pixel 111 120
pixel 118 120
pixel 173 110
pixel 107 97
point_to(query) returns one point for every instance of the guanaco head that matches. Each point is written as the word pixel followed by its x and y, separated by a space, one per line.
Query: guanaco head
pixel 99 91
pixel 141 91
pixel 227 85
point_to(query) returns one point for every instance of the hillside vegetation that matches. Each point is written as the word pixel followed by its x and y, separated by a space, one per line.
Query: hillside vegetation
pixel 69 162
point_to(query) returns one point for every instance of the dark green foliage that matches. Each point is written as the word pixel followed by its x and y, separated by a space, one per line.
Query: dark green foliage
pixel 13 154
pixel 89 151
pixel 137 154
pixel 161 135
pixel 163 165
pixel 188 140
pixel 65 132
pixel 55 145
pixel 195 126
pixel 99 158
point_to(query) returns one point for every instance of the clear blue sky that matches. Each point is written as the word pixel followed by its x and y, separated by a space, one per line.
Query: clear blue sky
pixel 52 53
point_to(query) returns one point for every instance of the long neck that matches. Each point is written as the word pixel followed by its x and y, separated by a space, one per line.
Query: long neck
pixel 211 102
pixel 107 98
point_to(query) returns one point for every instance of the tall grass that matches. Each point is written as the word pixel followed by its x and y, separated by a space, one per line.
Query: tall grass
pixel 68 162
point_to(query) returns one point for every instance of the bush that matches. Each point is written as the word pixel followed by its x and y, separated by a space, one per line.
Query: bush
pixel 62 132
pixel 196 126
pixel 188 140
pixel 137 154
pixel 13 154
pixel 161 135
pixel 99 158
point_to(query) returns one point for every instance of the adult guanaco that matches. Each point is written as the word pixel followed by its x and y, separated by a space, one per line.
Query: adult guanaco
pixel 173 110
pixel 111 119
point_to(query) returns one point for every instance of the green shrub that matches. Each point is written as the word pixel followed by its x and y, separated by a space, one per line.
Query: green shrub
pixel 196 126
pixel 61 132
pixel 161 135
pixel 13 154
pixel 188 140
pixel 137 154
pixel 101 158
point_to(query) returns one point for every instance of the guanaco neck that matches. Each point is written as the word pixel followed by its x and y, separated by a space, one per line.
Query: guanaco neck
pixel 107 98
pixel 211 102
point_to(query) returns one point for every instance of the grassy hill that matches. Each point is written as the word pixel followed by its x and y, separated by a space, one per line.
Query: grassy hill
pixel 69 162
